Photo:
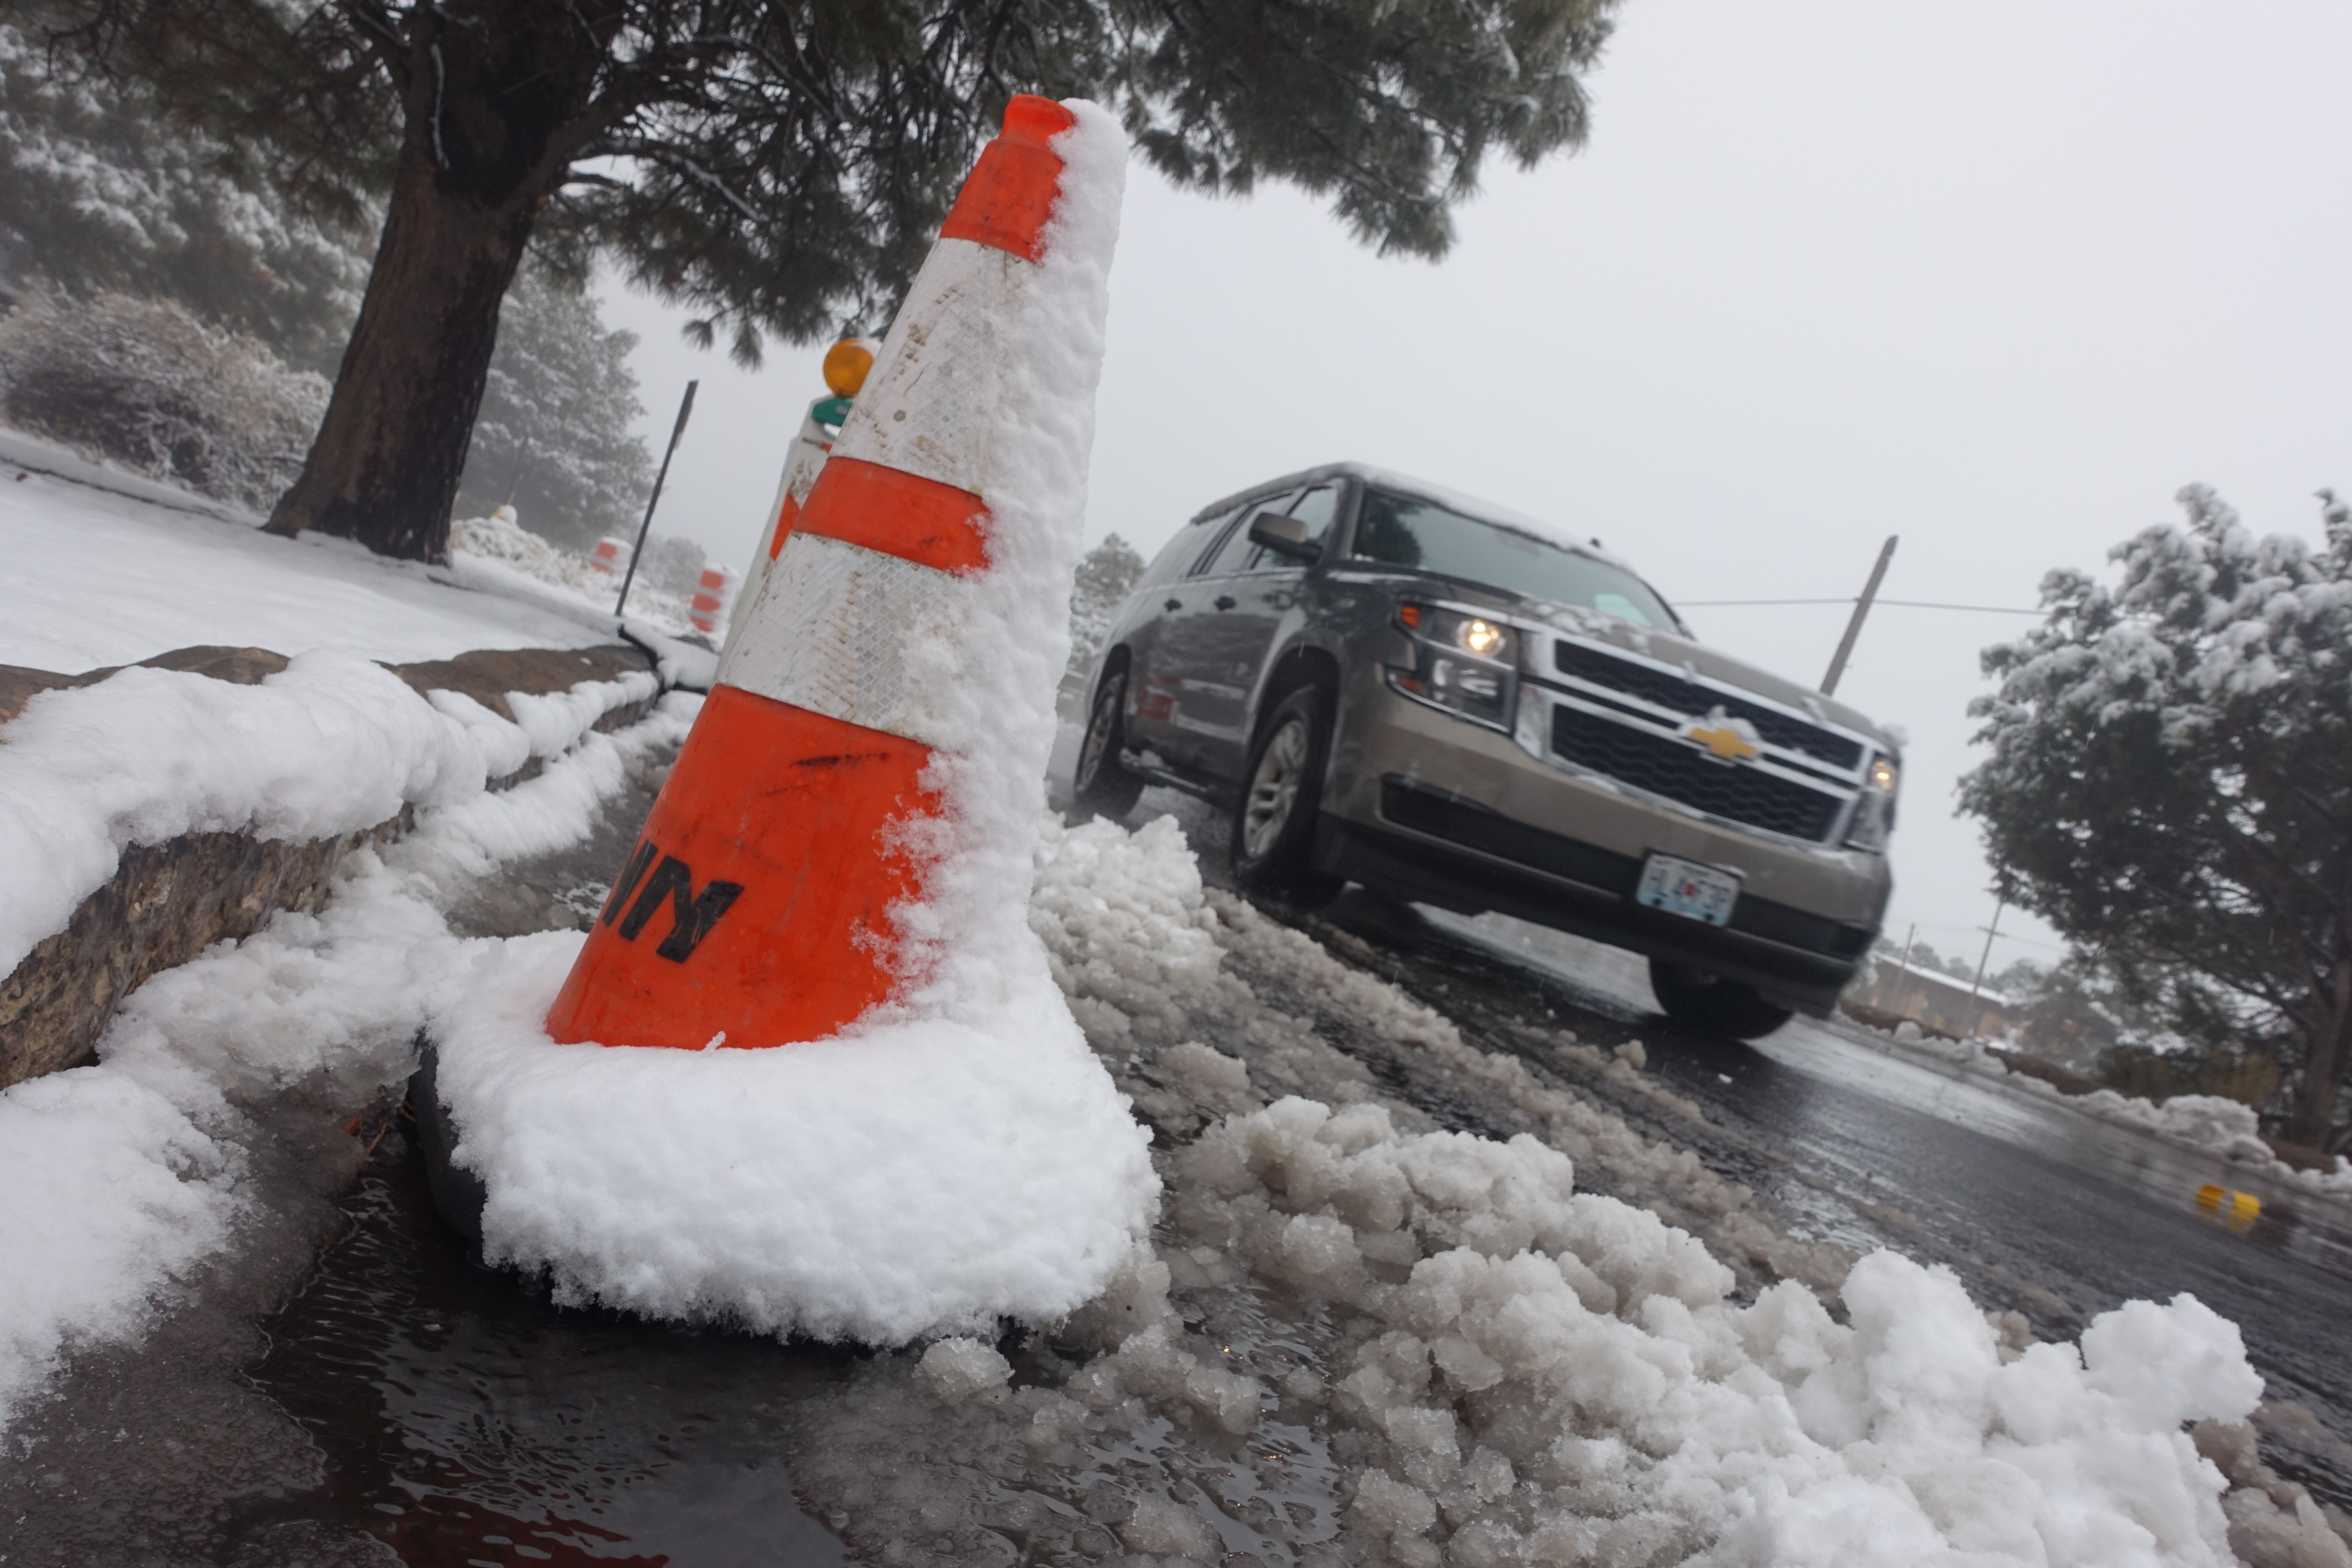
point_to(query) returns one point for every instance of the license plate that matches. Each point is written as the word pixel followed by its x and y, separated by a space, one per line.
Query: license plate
pixel 1686 888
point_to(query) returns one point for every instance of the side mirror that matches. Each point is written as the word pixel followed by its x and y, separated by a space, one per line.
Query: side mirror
pixel 1284 536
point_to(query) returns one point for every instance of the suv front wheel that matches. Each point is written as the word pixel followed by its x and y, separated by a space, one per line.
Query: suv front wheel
pixel 1273 824
pixel 1709 1004
pixel 1101 784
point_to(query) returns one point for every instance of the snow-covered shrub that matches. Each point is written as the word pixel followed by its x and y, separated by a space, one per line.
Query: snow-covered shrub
pixel 144 384
pixel 99 188
pixel 673 566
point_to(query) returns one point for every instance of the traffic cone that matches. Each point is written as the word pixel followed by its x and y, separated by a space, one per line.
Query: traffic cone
pixel 846 364
pixel 778 892
pixel 714 597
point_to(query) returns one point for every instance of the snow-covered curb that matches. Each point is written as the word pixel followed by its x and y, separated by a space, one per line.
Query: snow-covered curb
pixel 2204 1124
pixel 688 666
pixel 128 1174
pixel 332 744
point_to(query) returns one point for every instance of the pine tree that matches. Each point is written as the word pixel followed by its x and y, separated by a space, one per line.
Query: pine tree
pixel 780 167
pixel 2170 787
pixel 553 438
pixel 1104 578
pixel 98 194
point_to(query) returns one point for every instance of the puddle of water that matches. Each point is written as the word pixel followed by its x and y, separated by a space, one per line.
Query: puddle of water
pixel 466 1419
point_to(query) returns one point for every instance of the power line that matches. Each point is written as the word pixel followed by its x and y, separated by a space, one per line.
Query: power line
pixel 1901 604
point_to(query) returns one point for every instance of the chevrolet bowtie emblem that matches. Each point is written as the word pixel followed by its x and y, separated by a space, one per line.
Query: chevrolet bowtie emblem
pixel 1724 741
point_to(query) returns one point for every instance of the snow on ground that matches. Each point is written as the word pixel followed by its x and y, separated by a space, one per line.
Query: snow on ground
pixel 105 568
pixel 331 744
pixel 487 552
pixel 1506 1370
pixel 125 1175
pixel 1360 1339
pixel 2202 1122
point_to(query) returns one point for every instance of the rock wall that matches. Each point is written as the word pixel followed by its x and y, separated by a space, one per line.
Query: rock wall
pixel 167 902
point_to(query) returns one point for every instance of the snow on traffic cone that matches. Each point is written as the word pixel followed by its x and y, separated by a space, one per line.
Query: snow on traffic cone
pixel 611 555
pixel 840 865
pixel 775 895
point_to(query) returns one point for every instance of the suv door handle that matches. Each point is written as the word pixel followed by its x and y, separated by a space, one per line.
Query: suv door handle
pixel 1224 601
pixel 1173 605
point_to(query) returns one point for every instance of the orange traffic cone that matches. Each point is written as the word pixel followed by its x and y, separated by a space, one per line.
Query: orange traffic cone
pixel 762 903
pixel 713 601
pixel 845 367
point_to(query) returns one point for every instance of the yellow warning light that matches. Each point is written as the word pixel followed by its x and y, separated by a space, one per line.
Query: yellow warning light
pixel 845 364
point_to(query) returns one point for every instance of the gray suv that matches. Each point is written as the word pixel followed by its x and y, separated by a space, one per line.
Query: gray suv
pixel 1446 702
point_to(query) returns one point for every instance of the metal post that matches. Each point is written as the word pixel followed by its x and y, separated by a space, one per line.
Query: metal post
pixel 685 407
pixel 1903 966
pixel 1860 608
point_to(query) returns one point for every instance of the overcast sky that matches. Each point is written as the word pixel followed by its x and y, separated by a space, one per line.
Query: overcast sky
pixel 1998 278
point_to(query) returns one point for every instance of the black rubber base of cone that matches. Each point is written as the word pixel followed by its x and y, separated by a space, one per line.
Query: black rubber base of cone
pixel 458 1193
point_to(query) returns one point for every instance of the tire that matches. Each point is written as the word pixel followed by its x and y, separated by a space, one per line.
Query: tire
pixel 1709 1004
pixel 1273 821
pixel 1098 782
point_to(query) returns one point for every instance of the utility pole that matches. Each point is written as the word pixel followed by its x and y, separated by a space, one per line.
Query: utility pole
pixel 685 407
pixel 1976 985
pixel 1861 609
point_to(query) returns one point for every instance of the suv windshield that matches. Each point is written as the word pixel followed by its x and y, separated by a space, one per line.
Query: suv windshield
pixel 1401 530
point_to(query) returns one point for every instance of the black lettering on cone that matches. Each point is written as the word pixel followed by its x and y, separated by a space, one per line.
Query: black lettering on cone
pixel 628 882
pixel 691 917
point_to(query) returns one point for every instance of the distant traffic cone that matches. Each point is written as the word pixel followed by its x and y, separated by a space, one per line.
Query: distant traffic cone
pixel 846 366
pixel 757 909
pixel 611 555
pixel 713 598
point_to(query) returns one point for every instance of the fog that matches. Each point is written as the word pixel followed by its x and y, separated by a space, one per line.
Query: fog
pixel 1997 278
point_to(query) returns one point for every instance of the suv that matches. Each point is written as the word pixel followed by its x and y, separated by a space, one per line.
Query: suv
pixel 1447 702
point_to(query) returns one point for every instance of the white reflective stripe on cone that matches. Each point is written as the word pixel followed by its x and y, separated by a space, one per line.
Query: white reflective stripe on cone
pixel 832 628
pixel 802 463
pixel 933 400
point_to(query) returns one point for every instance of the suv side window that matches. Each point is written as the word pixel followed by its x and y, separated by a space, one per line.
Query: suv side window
pixel 1233 554
pixel 1178 554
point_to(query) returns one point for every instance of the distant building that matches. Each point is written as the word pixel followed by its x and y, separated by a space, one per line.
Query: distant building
pixel 1936 1001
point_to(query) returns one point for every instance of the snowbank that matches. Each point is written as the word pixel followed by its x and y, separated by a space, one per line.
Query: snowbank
pixel 2204 1121
pixel 103 576
pixel 894 1181
pixel 502 538
pixel 1576 1343
pixel 1358 1339
pixel 331 744
pixel 130 1174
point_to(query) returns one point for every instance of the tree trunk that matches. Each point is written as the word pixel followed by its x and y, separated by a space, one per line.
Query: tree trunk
pixel 496 101
pixel 385 467
pixel 2313 1117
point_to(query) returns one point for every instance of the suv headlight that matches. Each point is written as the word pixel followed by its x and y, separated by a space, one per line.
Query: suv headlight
pixel 1874 811
pixel 1465 664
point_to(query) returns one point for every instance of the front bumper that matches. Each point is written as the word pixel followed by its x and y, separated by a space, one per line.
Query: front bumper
pixel 1428 806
